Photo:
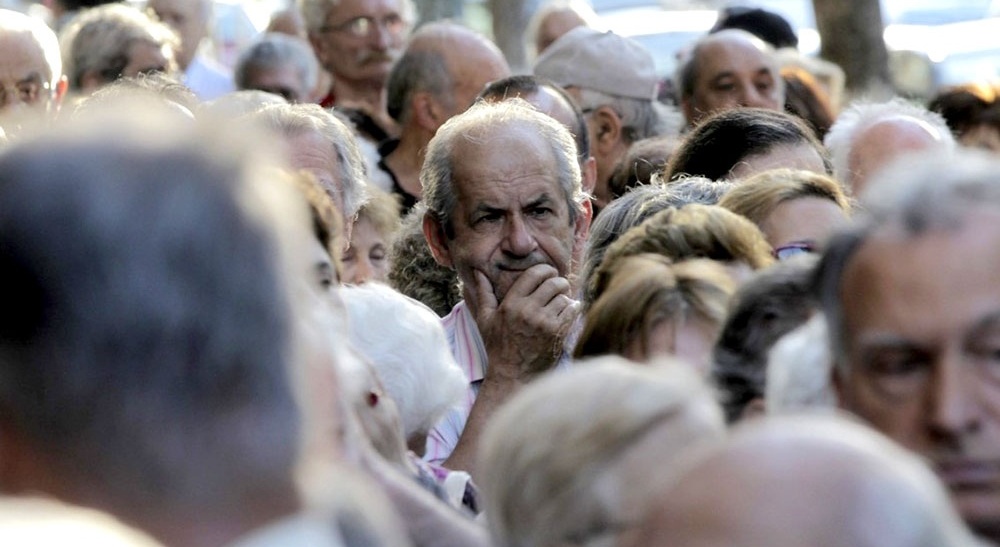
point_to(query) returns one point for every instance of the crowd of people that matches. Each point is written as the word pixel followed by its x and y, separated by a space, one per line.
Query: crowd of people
pixel 374 288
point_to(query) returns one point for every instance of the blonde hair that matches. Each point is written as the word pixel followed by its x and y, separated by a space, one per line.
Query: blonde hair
pixel 382 210
pixel 638 292
pixel 757 197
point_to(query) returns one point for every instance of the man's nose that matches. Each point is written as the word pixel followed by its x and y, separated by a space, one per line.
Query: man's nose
pixel 954 406
pixel 753 97
pixel 380 36
pixel 519 239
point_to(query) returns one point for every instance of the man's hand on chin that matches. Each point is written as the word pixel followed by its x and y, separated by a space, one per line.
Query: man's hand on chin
pixel 524 333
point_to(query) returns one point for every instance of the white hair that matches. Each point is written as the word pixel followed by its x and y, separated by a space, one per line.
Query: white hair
pixel 799 370
pixel 406 343
pixel 863 114
pixel 14 22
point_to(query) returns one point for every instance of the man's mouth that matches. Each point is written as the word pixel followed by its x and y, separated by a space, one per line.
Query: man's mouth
pixel 967 474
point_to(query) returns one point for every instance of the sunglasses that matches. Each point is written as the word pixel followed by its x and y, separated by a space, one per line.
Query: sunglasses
pixel 793 249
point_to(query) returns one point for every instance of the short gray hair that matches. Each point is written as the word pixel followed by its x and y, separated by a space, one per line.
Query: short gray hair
pixel 478 124
pixel 640 119
pixel 98 39
pixel 315 12
pixel 297 119
pixel 862 114
pixel 931 193
pixel 274 50
pixel 417 70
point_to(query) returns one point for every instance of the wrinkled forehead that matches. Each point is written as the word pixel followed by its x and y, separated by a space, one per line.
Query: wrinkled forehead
pixel 737 51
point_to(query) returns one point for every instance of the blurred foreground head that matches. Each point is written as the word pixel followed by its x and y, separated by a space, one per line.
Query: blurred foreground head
pixel 147 333
pixel 805 481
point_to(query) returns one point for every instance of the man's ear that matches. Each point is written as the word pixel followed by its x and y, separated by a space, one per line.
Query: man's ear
pixel 582 229
pixel 690 112
pixel 426 111
pixel 437 240
pixel 607 129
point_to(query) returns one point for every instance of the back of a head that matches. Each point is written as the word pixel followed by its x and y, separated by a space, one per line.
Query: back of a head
pixel 132 329
pixel 413 270
pixel 766 25
pixel 805 480
pixel 568 478
pixel 720 142
pixel 406 343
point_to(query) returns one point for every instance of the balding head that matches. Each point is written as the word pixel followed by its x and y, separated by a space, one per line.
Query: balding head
pixel 30 66
pixel 729 69
pixel 805 481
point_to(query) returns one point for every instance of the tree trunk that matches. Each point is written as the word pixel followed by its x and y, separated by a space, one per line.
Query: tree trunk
pixel 851 35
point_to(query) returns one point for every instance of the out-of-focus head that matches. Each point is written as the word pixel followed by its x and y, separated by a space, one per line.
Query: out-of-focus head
pixel 443 70
pixel 738 143
pixel 28 521
pixel 318 142
pixel 818 480
pixel 468 222
pixel 624 426
pixel 554 19
pixel 406 344
pixel 806 98
pixel 190 19
pixel 107 42
pixel 367 257
pixel 697 231
pixel 912 305
pixel 129 258
pixel 358 41
pixel 767 25
pixel 239 103
pixel 413 270
pixel 867 136
pixel 729 69
pixel 796 210
pixel 30 69
pixel 279 64
pixel 643 159
pixel 646 307
pixel 972 111
pixel 770 304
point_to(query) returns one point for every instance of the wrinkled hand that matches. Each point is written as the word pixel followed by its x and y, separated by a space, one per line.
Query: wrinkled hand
pixel 524 334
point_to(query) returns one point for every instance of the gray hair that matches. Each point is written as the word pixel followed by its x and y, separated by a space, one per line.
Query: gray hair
pixel 133 322
pixel 561 481
pixel 931 193
pixel 98 40
pixel 860 115
pixel 315 12
pixel 297 119
pixel 478 124
pixel 640 119
pixel 15 22
pixel 798 371
pixel 275 50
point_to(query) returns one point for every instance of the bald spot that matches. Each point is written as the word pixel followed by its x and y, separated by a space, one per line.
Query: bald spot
pixel 885 140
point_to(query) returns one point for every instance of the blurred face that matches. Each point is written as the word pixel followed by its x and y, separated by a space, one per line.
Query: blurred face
pixel 361 39
pixel 24 76
pixel 145 57
pixel 189 19
pixel 922 353
pixel 798 156
pixel 883 142
pixel 733 71
pixel 511 212
pixel 691 340
pixel 283 80
pixel 366 259
pixel 809 221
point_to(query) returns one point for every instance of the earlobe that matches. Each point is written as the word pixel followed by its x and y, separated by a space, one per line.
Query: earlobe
pixel 436 240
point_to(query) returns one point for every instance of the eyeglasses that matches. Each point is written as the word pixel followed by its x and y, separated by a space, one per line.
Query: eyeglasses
pixel 26 91
pixel 362 27
pixel 793 249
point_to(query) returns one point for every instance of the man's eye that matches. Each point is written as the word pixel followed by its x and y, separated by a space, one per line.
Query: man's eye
pixel 897 365
pixel 725 86
pixel 488 218
pixel 541 212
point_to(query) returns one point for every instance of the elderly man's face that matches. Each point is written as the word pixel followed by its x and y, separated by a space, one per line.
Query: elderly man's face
pixel 922 336
pixel 511 211
pixel 361 39
pixel 189 19
pixel 24 74
pixel 733 71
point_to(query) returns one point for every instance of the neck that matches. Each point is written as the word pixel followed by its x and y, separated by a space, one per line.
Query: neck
pixel 369 95
pixel 407 159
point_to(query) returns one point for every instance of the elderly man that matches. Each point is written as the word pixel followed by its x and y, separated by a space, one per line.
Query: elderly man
pixel 613 79
pixel 357 42
pixel 868 136
pixel 445 66
pixel 318 142
pixel 728 69
pixel 913 303
pixel 279 64
pixel 191 20
pixel 108 42
pixel 30 70
pixel 803 481
pixel 505 210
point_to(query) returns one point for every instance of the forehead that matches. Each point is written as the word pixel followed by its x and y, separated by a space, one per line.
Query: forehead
pixel 21 56
pixel 186 7
pixel 349 9
pixel 731 54
pixel 502 158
